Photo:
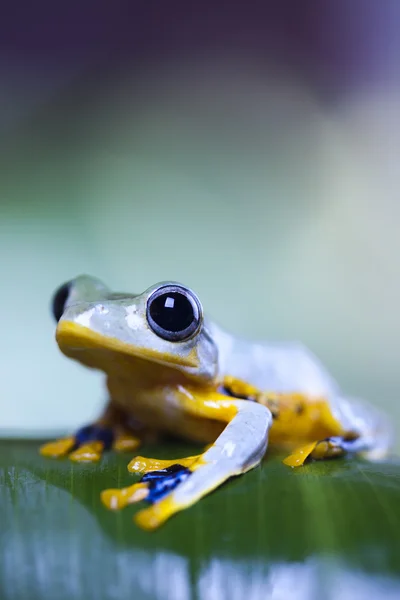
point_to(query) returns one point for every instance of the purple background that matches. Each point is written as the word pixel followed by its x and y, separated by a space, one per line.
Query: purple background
pixel 340 42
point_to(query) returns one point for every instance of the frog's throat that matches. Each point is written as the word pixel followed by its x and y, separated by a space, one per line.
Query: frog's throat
pixel 72 336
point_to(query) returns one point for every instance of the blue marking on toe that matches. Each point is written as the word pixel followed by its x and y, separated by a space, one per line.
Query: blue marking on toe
pixel 95 433
pixel 160 483
pixel 169 471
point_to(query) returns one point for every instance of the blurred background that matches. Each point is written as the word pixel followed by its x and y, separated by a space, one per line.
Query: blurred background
pixel 247 149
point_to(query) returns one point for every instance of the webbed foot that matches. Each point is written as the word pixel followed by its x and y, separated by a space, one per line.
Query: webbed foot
pixel 153 487
pixel 89 443
pixel 330 447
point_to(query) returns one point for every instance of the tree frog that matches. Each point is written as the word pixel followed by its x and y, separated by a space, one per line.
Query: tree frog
pixel 171 370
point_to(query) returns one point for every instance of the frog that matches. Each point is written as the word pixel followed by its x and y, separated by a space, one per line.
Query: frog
pixel 171 371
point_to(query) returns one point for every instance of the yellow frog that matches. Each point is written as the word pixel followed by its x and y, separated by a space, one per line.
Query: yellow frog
pixel 169 369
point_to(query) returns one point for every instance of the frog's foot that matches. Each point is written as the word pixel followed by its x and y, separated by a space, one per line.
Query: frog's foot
pixel 153 486
pixel 159 478
pixel 89 443
pixel 175 487
pixel 328 448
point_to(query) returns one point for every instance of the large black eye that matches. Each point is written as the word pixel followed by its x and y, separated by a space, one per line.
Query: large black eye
pixel 173 313
pixel 59 299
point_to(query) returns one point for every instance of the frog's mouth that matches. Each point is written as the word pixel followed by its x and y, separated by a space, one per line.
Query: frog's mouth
pixel 83 344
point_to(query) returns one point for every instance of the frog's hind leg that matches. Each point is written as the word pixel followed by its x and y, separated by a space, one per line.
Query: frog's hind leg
pixel 239 448
pixel 366 432
pixel 336 446
pixel 330 447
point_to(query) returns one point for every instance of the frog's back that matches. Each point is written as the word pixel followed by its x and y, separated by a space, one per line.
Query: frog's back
pixel 281 367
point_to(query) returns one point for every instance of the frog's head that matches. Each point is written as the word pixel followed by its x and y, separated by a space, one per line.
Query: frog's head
pixel 164 325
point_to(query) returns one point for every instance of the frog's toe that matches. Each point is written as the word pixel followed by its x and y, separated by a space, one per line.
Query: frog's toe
pixel 140 464
pixel 58 448
pixel 115 499
pixel 300 455
pixel 92 440
pixel 154 516
pixel 90 452
pixel 126 443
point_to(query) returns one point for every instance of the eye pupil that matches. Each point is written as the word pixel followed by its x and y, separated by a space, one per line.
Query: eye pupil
pixel 172 311
pixel 59 300
pixel 172 314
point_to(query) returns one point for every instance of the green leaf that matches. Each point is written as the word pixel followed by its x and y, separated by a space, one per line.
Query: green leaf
pixel 327 530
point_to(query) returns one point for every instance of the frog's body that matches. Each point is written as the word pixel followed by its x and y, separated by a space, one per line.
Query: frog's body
pixel 170 370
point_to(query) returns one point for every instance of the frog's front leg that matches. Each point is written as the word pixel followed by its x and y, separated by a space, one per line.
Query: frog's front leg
pixel 89 442
pixel 239 448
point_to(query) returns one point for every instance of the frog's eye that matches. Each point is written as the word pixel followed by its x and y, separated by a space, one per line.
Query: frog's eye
pixel 174 313
pixel 59 300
